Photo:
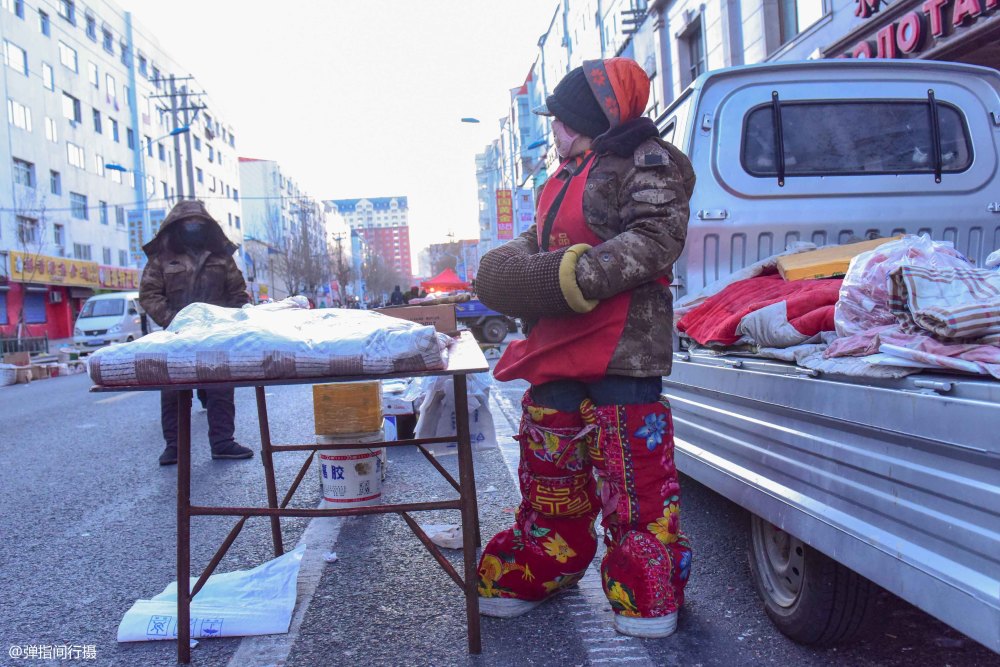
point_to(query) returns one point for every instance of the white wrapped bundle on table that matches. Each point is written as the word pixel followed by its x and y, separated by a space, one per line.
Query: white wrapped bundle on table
pixel 277 340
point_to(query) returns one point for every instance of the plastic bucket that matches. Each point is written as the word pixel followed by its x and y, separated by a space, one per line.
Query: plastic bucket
pixel 351 477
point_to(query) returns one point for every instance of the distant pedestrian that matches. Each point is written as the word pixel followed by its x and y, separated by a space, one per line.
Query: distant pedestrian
pixel 414 293
pixel 191 261
pixel 396 299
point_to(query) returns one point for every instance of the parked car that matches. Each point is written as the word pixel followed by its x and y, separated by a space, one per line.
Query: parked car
pixel 848 480
pixel 109 318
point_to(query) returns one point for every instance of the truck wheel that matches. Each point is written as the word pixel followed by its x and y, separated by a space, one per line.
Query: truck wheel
pixel 494 331
pixel 811 598
pixel 477 333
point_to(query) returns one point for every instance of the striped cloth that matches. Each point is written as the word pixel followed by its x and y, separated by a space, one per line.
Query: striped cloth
pixel 953 304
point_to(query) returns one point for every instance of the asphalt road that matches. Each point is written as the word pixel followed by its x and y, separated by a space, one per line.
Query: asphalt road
pixel 87 520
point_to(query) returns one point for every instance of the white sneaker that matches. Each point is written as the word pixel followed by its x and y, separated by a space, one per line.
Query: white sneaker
pixel 506 607
pixel 646 628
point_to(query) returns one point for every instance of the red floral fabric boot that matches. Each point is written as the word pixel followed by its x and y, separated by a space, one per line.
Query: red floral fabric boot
pixel 648 558
pixel 553 540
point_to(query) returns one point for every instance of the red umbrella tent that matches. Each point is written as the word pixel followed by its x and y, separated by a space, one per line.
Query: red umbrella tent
pixel 446 281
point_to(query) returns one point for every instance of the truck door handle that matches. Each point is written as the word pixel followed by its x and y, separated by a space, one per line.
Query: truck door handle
pixel 713 214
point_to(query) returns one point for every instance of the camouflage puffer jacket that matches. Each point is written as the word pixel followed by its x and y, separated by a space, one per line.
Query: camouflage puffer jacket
pixel 638 205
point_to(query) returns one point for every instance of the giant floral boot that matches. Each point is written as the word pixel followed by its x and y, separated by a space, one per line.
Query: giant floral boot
pixel 553 540
pixel 648 558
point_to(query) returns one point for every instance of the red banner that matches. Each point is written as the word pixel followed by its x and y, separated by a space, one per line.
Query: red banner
pixel 505 216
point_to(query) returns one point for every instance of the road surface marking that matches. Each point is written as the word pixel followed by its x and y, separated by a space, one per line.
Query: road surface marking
pixel 119 397
pixel 320 536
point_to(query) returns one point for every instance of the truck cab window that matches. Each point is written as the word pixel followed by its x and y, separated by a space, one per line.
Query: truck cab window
pixel 834 138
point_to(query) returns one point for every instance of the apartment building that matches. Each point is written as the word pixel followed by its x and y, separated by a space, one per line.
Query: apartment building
pixel 94 157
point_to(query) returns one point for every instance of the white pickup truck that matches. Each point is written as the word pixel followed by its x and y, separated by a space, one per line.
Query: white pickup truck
pixel 848 481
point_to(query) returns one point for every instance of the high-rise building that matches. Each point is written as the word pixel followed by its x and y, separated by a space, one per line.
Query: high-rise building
pixel 383 224
pixel 93 157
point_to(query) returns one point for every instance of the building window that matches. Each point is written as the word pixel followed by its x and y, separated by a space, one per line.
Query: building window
pixel 15 57
pixel 106 255
pixel 114 131
pixel 122 258
pixel 59 237
pixel 130 138
pixel 27 230
pixel 161 151
pixel 109 41
pixel 71 108
pixel 110 87
pixel 197 143
pixel 98 164
pixel 149 145
pixel 18 115
pixel 237 222
pixel 97 121
pixel 120 217
pixel 67 10
pixel 794 16
pixel 199 174
pixel 143 68
pixel 92 76
pixel 75 155
pixel 103 208
pixel 693 45
pixel 230 217
pixel 211 152
pixel 48 77
pixel 156 77
pixel 232 140
pixel 78 205
pixel 91 27
pixel 116 176
pixel 44 25
pixel 236 194
pixel 123 49
pixel 55 182
pixel 81 251
pixel 166 190
pixel 50 130
pixel 24 173
pixel 67 56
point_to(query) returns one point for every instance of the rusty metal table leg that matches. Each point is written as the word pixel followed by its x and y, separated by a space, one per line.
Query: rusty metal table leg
pixel 184 526
pixel 268 461
pixel 470 512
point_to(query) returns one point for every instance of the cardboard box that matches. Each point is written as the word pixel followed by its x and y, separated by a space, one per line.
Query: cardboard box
pixel 825 262
pixel 393 405
pixel 17 358
pixel 441 317
pixel 39 372
pixel 23 375
pixel 347 407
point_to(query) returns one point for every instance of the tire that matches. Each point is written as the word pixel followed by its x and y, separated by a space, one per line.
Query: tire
pixel 129 339
pixel 810 597
pixel 494 331
pixel 477 333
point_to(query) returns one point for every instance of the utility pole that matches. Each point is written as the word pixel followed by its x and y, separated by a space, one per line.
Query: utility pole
pixel 177 139
pixel 188 119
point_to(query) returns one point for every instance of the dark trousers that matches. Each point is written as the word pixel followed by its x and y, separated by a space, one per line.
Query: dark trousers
pixel 221 416
pixel 566 395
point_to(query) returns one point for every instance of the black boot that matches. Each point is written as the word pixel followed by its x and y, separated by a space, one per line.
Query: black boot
pixel 231 450
pixel 169 456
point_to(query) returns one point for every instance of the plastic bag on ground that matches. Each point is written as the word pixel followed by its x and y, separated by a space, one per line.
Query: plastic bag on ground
pixel 235 604
pixel 864 294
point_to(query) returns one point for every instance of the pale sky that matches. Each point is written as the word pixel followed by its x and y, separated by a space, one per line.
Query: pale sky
pixel 361 98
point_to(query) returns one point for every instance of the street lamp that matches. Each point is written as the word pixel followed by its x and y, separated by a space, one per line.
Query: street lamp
pixel 468 119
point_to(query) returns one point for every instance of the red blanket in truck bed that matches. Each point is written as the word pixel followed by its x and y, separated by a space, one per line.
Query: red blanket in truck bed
pixel 808 308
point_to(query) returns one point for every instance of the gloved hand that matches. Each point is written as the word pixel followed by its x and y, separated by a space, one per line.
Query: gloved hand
pixel 531 286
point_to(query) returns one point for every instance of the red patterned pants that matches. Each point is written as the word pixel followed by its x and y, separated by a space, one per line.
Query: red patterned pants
pixel 630 447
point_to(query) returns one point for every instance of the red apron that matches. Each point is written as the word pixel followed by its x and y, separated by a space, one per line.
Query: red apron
pixel 576 347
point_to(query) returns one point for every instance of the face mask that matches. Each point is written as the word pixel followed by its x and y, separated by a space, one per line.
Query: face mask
pixel 193 234
pixel 564 138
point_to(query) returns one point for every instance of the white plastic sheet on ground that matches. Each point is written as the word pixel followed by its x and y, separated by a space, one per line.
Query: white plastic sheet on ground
pixel 235 604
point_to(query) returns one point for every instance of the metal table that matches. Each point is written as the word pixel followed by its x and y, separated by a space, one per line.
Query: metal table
pixel 465 357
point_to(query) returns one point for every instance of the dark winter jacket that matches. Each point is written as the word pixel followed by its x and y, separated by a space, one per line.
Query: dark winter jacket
pixel 636 201
pixel 176 276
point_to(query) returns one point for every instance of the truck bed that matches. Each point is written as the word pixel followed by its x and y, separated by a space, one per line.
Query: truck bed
pixel 897 479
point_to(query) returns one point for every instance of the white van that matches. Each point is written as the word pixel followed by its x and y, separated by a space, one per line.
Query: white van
pixel 109 318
